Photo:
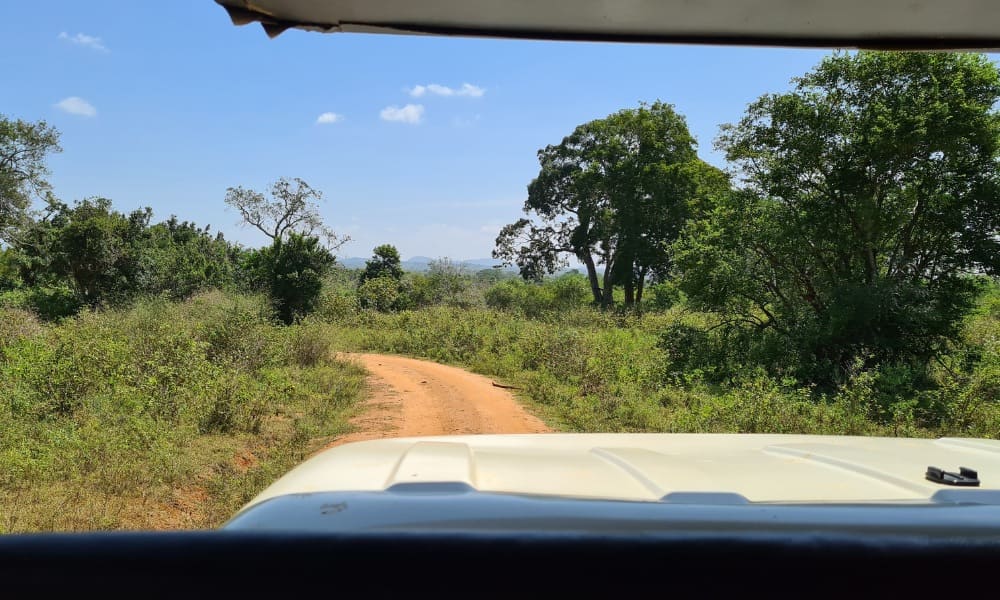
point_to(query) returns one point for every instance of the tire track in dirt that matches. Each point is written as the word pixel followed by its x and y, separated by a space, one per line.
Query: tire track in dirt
pixel 410 397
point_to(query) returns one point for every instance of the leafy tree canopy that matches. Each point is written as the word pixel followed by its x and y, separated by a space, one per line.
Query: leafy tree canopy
pixel 385 262
pixel 867 196
pixel 23 174
pixel 614 193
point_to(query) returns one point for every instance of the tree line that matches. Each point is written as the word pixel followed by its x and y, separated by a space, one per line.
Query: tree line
pixel 61 258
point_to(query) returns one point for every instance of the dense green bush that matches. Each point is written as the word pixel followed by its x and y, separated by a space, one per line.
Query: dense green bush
pixel 17 324
pixel 292 271
pixel 89 254
pixel 379 293
pixel 534 300
pixel 130 403
pixel 869 195
pixel 530 299
pixel 337 305
pixel 663 295
pixel 48 302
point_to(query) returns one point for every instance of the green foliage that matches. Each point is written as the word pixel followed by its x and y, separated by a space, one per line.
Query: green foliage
pixel 379 293
pixel 180 259
pixel 614 193
pixel 569 291
pixel 535 300
pixel 448 283
pixel 517 295
pixel 664 295
pixel 870 193
pixel 16 325
pixel 337 305
pixel 385 262
pixel 309 345
pixel 23 173
pixel 122 407
pixel 10 278
pixel 293 269
pixel 105 257
pixel 93 247
pixel 49 302
pixel 239 332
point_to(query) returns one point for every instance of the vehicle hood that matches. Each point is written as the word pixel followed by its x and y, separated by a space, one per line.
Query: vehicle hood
pixel 654 467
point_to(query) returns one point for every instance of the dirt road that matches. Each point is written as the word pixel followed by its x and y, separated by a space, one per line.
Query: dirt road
pixel 410 397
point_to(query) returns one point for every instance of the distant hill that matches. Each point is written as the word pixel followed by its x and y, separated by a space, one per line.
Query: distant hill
pixel 422 263
pixel 354 262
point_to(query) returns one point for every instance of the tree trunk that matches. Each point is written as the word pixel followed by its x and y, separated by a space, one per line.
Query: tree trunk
pixel 608 296
pixel 640 284
pixel 629 292
pixel 595 285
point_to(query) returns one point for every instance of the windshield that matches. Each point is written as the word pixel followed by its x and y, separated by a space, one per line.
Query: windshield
pixel 221 254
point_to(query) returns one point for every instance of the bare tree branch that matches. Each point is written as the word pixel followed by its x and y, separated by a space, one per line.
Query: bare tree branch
pixel 293 206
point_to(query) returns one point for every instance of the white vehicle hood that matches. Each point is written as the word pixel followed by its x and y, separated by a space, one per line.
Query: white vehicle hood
pixel 655 467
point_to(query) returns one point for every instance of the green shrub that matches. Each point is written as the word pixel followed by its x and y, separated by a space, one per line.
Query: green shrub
pixel 335 306
pixel 239 334
pixel 663 296
pixel 292 271
pixel 533 300
pixel 569 291
pixel 48 302
pixel 380 294
pixel 116 408
pixel 309 345
pixel 17 324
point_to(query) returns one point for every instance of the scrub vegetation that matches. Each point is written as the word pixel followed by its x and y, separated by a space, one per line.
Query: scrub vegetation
pixel 837 276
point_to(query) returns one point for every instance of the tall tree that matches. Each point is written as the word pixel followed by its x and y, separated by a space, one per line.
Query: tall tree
pixel 23 174
pixel 292 208
pixel 869 192
pixel 613 194
pixel 385 262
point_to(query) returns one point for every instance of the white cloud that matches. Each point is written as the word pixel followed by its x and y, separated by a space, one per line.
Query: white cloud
pixel 411 113
pixel 328 118
pixel 473 91
pixel 75 105
pixel 467 89
pixel 82 39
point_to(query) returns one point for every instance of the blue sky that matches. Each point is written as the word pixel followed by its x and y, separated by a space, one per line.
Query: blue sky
pixel 167 104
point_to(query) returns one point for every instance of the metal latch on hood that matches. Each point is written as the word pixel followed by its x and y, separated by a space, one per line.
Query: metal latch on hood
pixel 964 477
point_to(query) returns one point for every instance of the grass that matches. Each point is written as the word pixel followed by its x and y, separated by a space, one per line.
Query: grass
pixel 173 415
pixel 588 371
pixel 167 415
